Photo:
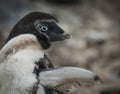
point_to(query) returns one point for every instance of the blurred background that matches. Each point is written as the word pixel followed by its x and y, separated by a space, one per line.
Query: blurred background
pixel 95 29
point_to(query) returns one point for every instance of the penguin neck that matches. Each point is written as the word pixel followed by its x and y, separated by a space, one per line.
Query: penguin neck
pixel 45 44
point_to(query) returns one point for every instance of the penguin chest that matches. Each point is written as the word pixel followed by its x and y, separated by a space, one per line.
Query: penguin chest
pixel 17 76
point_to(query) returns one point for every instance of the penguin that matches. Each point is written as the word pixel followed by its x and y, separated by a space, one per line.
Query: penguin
pixel 24 66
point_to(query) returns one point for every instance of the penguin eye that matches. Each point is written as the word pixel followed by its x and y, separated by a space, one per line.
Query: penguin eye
pixel 40 26
pixel 44 28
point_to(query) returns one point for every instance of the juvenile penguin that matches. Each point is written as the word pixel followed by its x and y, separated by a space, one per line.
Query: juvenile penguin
pixel 24 67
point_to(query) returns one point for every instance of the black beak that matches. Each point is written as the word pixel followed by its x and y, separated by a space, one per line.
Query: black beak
pixel 58 37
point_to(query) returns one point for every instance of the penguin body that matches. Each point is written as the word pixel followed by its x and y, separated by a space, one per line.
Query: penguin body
pixel 24 67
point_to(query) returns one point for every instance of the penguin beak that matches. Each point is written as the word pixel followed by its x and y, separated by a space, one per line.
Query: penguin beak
pixel 60 76
pixel 58 36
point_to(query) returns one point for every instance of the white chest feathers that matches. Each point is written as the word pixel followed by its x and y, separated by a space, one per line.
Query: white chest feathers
pixel 17 63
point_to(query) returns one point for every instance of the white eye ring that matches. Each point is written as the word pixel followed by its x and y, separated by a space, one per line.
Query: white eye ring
pixel 44 28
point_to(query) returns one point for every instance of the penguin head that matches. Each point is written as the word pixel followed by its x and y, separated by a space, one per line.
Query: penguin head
pixel 42 25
